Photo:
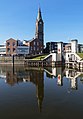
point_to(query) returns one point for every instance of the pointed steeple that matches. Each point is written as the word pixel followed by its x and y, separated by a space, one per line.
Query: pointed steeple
pixel 39 34
pixel 39 17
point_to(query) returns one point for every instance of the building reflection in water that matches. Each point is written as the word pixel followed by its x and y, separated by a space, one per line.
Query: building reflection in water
pixel 20 74
pixel 57 72
pixel 72 76
pixel 36 76
pixel 60 73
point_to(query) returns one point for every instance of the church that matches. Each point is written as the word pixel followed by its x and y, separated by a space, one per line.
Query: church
pixel 28 47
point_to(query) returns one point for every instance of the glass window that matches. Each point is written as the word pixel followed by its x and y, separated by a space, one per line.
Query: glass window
pixel 31 47
pixel 34 43
pixel 37 43
pixel 8 49
pixel 13 43
pixel 34 48
pixel 14 49
pixel 8 43
pixel 37 48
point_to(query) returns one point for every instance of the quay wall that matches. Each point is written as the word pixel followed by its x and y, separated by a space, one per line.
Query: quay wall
pixel 8 60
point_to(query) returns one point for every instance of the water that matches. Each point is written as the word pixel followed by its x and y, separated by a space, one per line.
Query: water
pixel 50 93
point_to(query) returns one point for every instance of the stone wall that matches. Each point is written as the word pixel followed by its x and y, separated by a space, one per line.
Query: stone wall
pixel 8 59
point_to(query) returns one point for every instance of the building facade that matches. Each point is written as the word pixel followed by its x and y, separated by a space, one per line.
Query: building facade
pixel 72 46
pixel 80 48
pixel 35 46
pixel 51 47
pixel 17 47
pixel 2 50
pixel 11 45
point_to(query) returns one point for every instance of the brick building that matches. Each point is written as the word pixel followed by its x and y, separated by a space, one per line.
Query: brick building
pixel 11 45
pixel 31 47
pixel 35 46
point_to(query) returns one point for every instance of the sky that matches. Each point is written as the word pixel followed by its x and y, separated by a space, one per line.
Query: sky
pixel 63 19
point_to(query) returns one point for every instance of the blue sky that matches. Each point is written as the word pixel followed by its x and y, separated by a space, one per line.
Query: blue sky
pixel 63 19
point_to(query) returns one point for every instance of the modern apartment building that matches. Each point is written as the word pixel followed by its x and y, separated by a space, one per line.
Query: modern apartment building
pixel 80 48
pixel 72 46
pixel 2 50
pixel 51 47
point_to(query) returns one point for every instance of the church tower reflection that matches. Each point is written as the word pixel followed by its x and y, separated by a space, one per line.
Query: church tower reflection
pixel 37 77
pixel 40 90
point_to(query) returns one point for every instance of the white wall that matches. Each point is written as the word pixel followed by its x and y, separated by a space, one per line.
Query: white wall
pixel 53 56
pixel 74 46
pixel 59 45
pixel 3 50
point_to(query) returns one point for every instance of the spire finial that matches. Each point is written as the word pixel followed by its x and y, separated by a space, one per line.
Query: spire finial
pixel 39 14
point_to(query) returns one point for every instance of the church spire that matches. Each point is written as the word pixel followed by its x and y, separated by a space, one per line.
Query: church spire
pixel 39 34
pixel 39 17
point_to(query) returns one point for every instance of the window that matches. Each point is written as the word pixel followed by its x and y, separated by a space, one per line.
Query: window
pixel 13 44
pixel 31 47
pixel 37 48
pixel 8 49
pixel 37 43
pixel 14 49
pixel 34 43
pixel 40 22
pixel 34 48
pixel 2 49
pixel 8 43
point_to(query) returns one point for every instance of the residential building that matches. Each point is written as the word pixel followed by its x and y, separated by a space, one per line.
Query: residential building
pixel 72 46
pixel 35 46
pixel 67 48
pixel 22 50
pixel 80 48
pixel 2 50
pixel 51 47
pixel 11 45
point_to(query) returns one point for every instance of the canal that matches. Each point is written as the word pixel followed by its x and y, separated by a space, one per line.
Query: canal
pixel 40 93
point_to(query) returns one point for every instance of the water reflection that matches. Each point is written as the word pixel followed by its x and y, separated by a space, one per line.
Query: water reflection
pixel 73 76
pixel 56 72
pixel 22 74
pixel 36 76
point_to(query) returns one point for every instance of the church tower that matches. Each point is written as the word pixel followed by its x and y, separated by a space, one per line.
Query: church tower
pixel 40 27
